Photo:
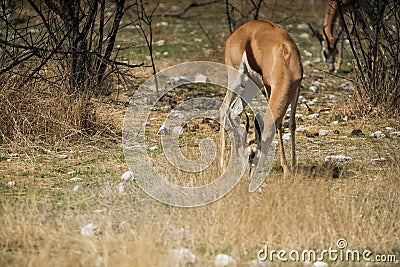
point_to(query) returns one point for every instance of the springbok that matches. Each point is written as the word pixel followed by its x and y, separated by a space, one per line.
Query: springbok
pixel 332 47
pixel 266 53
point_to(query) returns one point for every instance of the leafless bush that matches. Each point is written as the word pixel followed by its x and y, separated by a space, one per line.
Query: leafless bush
pixel 55 56
pixel 375 44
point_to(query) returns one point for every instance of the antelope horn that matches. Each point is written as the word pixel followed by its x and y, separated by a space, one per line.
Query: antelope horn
pixel 326 36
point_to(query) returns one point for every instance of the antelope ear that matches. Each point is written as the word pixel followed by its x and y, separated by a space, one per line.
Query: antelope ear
pixel 316 33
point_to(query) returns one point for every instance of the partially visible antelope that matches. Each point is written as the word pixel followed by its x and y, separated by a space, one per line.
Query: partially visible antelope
pixel 266 53
pixel 332 46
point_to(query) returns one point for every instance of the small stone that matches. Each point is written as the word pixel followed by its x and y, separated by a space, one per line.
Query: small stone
pixel 313 116
pixel 379 160
pixel 127 176
pixel 153 148
pixel 318 84
pixel 389 128
pixel 162 24
pixel 71 172
pixel 313 89
pixel 159 43
pixel 121 188
pixel 90 230
pixel 182 256
pixel 348 86
pixel 76 179
pixel 164 129
pixel 11 183
pixel 286 137
pixel 76 188
pixel 378 134
pixel 304 35
pixel 14 155
pixel 98 211
pixel 222 260
pixel 323 132
pixel 301 129
pixel 306 52
pixel 303 26
pixel 64 156
pixel 338 159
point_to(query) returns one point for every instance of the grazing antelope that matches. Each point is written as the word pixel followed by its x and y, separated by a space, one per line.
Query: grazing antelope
pixel 266 53
pixel 331 47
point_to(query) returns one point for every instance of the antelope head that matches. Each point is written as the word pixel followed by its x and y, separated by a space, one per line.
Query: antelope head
pixel 329 49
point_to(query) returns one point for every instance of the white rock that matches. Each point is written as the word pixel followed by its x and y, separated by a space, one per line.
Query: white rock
pixel 298 115
pixel 338 159
pixel 222 260
pixel 71 172
pixel 164 129
pixel 307 63
pixel 98 211
pixel 64 156
pixel 153 148
pixel 145 123
pixel 128 176
pixel 304 35
pixel 162 24
pixel 14 155
pixel 324 132
pixel 198 40
pixel 347 86
pixel 286 137
pixel 182 256
pixel 303 26
pixel 11 183
pixel 379 160
pixel 313 116
pixel 318 83
pixel 306 52
pixel 177 79
pixel 76 179
pixel 90 230
pixel 76 188
pixel 301 129
pixel 389 128
pixel 159 43
pixel 378 134
pixel 320 264
pixel 121 188
pixel 313 89
pixel 201 78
